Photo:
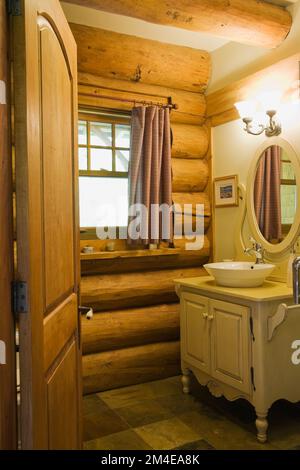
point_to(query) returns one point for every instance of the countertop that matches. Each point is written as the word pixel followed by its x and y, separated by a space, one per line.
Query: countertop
pixel 270 290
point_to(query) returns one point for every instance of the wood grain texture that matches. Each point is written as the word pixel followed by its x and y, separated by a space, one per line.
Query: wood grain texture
pixel 189 141
pixel 117 291
pixel 124 262
pixel 42 96
pixel 115 369
pixel 189 175
pixel 119 56
pixel 250 22
pixel 92 90
pixel 132 327
pixel 220 104
pixel 8 433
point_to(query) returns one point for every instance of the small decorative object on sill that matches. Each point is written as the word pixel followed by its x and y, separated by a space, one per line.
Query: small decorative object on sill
pixel 88 249
pixel 153 246
pixel 110 246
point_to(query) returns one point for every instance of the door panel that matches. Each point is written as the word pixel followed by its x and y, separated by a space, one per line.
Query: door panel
pixel 61 389
pixel 230 343
pixel 57 140
pixel 195 331
pixel 45 76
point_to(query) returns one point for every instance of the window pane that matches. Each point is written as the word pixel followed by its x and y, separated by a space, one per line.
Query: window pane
pixel 83 159
pixel 101 134
pixel 122 136
pixel 103 202
pixel 122 160
pixel 288 203
pixel 101 159
pixel 82 133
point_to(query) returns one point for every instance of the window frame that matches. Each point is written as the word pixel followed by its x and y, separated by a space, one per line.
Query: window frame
pixel 87 233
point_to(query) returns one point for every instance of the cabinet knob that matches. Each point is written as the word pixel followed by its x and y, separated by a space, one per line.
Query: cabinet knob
pixel 210 317
pixel 205 315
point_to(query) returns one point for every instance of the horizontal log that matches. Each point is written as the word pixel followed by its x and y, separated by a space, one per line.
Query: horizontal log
pixel 123 57
pixel 130 366
pixel 252 22
pixel 133 327
pixel 186 217
pixel 93 90
pixel 220 104
pixel 117 291
pixel 98 264
pixel 193 245
pixel 193 199
pixel 189 141
pixel 189 175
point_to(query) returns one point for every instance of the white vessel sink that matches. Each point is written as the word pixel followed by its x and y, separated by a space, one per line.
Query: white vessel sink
pixel 239 274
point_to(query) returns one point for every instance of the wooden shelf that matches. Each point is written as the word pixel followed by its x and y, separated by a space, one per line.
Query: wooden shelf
pixel 98 255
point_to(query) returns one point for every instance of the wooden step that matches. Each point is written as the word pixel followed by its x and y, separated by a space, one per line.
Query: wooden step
pixel 118 291
pixel 132 327
pixel 115 369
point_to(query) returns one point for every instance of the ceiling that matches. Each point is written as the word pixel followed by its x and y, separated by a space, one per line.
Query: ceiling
pixel 127 25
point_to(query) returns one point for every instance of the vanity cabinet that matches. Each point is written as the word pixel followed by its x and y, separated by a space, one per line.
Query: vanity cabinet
pixel 215 338
pixel 238 342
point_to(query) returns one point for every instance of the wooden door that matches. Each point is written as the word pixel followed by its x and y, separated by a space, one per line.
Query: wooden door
pixel 8 399
pixel 195 329
pixel 44 65
pixel 230 344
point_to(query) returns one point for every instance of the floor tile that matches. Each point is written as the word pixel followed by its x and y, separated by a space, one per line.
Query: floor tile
pixel 167 434
pixel 144 412
pixel 222 433
pixel 129 396
pixel 126 440
pixel 102 424
pixel 197 445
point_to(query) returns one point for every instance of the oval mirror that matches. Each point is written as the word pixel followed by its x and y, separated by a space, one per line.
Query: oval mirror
pixel 274 197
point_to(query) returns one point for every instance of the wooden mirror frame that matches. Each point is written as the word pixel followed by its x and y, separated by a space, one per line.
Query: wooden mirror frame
pixel 294 232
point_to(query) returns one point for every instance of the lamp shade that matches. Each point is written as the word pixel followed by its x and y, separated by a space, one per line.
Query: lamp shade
pixel 246 109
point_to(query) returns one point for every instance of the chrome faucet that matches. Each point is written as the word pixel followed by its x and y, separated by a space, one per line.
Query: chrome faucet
pixel 256 250
pixel 296 267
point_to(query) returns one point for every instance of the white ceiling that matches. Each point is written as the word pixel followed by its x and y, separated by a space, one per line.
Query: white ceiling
pixel 127 25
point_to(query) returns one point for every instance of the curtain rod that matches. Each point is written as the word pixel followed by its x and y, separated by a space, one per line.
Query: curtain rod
pixel 169 105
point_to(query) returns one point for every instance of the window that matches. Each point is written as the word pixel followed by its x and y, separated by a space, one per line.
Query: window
pixel 104 147
pixel 288 193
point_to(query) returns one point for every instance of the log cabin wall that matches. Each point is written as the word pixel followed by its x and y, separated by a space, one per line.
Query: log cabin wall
pixel 134 336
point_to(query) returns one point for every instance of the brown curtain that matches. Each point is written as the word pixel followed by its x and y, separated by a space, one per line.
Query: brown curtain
pixel 150 170
pixel 267 202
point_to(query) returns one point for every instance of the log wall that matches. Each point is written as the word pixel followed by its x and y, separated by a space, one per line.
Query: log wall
pixel 134 336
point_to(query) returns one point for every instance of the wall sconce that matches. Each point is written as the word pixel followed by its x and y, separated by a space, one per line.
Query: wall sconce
pixel 269 103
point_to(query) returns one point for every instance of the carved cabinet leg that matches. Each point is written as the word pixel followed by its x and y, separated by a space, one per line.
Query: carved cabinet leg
pixel 186 381
pixel 261 426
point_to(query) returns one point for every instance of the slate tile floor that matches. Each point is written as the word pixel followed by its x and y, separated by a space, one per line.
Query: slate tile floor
pixel 157 415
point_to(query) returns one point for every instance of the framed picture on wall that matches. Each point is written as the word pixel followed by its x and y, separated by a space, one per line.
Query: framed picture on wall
pixel 226 191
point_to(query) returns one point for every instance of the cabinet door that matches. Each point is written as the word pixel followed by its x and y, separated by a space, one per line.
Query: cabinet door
pixel 230 344
pixel 195 331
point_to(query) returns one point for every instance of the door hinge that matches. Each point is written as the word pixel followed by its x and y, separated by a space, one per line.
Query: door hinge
pixel 252 378
pixel 19 297
pixel 252 329
pixel 14 7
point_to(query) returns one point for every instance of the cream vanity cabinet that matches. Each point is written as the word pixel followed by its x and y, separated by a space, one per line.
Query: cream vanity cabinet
pixel 238 342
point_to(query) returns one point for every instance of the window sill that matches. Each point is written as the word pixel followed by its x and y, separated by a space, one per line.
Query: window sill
pixel 99 255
